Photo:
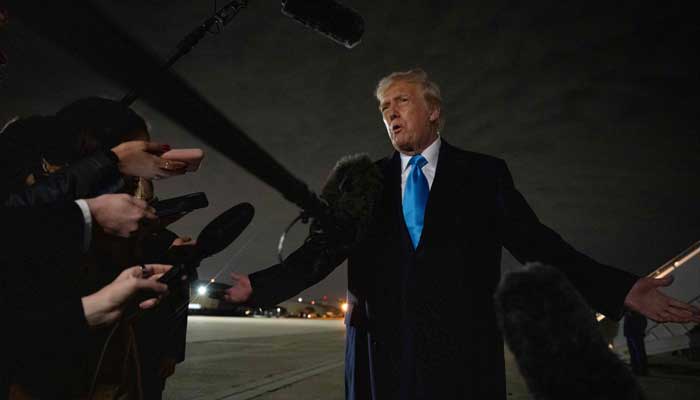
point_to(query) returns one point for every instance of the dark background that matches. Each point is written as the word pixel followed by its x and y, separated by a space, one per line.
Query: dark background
pixel 594 105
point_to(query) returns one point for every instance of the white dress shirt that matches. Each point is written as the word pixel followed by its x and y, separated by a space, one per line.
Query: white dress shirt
pixel 87 217
pixel 430 154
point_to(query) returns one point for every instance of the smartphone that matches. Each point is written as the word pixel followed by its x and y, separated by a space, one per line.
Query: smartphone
pixel 181 204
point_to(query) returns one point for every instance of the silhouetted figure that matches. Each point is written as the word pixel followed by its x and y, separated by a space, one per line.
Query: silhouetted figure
pixel 635 325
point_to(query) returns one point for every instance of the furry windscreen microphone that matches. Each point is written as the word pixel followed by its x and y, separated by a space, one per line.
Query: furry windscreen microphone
pixel 553 334
pixel 329 18
pixel 351 191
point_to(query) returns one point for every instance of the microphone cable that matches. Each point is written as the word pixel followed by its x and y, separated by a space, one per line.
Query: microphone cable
pixel 304 217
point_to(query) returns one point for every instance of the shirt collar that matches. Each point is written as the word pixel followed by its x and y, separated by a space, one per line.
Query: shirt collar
pixel 430 154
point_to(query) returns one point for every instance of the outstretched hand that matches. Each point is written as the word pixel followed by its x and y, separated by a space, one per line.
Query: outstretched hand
pixel 646 298
pixel 241 289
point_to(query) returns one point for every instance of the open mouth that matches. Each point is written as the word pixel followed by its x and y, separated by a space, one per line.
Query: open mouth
pixel 396 128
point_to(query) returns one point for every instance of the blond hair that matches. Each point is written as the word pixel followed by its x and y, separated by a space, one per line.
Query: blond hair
pixel 430 89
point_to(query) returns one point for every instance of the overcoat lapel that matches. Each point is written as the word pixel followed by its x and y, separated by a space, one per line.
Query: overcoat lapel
pixel 442 189
pixel 393 179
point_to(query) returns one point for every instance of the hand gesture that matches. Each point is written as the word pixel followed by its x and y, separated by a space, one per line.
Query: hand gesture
pixel 646 298
pixel 241 289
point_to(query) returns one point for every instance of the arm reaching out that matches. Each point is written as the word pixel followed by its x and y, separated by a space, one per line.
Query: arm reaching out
pixel 240 291
pixel 646 298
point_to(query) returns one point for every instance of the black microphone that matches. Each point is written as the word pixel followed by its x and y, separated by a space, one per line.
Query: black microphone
pixel 553 335
pixel 331 19
pixel 342 215
pixel 216 236
pixel 224 229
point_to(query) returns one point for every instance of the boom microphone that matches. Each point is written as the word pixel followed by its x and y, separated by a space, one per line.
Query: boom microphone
pixel 552 332
pixel 331 19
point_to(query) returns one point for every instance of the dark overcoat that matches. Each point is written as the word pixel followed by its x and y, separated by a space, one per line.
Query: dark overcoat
pixel 421 323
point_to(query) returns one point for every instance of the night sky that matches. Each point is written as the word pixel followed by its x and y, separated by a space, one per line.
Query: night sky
pixel 594 107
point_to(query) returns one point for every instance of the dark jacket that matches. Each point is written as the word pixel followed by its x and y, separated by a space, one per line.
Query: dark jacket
pixel 44 230
pixel 89 177
pixel 45 321
pixel 421 323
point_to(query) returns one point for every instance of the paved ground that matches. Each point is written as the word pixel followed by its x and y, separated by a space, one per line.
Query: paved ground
pixel 285 359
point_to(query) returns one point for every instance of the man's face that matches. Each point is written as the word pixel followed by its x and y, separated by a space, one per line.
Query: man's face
pixel 410 121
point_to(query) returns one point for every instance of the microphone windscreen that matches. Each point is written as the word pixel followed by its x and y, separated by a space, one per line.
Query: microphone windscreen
pixel 351 191
pixel 331 19
pixel 553 335
pixel 224 229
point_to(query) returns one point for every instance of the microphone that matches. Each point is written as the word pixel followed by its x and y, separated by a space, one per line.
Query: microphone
pixel 216 236
pixel 350 193
pixel 343 213
pixel 224 229
pixel 552 333
pixel 329 18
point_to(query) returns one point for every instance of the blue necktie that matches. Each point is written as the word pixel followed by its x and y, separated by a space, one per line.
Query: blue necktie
pixel 415 197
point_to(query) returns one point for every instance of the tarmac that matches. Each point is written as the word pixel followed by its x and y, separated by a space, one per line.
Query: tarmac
pixel 284 359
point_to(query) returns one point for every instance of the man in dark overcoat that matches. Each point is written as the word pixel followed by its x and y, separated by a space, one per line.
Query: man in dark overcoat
pixel 421 322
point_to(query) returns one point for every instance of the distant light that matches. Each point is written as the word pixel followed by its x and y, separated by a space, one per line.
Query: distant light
pixel 212 280
pixel 300 299
pixel 247 312
pixel 344 307
pixel 194 306
pixel 202 290
pixel 308 316
pixel 279 310
pixel 313 302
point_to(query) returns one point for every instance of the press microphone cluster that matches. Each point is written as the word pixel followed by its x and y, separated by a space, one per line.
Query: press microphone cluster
pixel 553 335
pixel 328 17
